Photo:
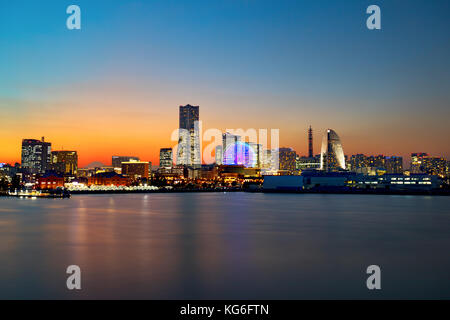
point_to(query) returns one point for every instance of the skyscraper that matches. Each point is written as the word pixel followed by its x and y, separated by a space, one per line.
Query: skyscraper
pixel 310 143
pixel 64 162
pixel 165 158
pixel 36 155
pixel 332 154
pixel 189 136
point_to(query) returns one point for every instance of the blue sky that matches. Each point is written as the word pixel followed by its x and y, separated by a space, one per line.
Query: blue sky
pixel 282 60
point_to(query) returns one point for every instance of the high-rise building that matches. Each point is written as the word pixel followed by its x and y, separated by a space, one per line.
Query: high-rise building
pixel 64 162
pixel 231 149
pixel 36 155
pixel 254 155
pixel 358 161
pixel 118 160
pixel 136 169
pixel 165 158
pixel 417 162
pixel 435 166
pixel 219 155
pixel 310 143
pixel 394 164
pixel 267 161
pixel 189 152
pixel 332 153
pixel 287 159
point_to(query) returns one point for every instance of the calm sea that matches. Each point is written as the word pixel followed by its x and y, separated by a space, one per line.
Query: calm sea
pixel 225 246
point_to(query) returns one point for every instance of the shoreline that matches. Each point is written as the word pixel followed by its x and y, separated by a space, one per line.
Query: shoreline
pixel 342 192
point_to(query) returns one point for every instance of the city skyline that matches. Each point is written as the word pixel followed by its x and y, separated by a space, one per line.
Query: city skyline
pixel 113 87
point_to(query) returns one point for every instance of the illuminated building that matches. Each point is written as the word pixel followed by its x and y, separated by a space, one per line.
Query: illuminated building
pixel 287 159
pixel 257 160
pixel 51 180
pixel 230 147
pixel 108 179
pixel 64 162
pixel 304 163
pixel 165 158
pixel 358 161
pixel 416 162
pixel 219 155
pixel 36 155
pixel 136 169
pixel 376 161
pixel 332 153
pixel 189 152
pixel 434 166
pixel 394 164
pixel 117 160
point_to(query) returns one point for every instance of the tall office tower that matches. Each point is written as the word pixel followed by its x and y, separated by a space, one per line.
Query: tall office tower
pixel 287 159
pixel 118 160
pixel 310 143
pixel 189 152
pixel 219 155
pixel 64 162
pixel 332 154
pixel 394 164
pixel 231 149
pixel 36 155
pixel 165 158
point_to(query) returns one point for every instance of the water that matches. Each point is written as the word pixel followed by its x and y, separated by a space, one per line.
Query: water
pixel 225 246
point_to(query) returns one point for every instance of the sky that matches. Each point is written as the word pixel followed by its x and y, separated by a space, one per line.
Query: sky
pixel 114 87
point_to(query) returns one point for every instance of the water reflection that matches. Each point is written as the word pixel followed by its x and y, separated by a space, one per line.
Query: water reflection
pixel 233 245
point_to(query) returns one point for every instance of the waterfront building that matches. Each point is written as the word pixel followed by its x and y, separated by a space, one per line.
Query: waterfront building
pixel 189 146
pixel 231 149
pixel 307 163
pixel 108 179
pixel 332 152
pixel 51 180
pixel 36 155
pixel 64 162
pixel 435 166
pixel 287 158
pixel 394 164
pixel 136 169
pixel 117 160
pixel 254 158
pixel 417 162
pixel 165 158
pixel 358 161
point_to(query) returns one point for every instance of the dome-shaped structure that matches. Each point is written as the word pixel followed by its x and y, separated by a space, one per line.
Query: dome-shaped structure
pixel 332 154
